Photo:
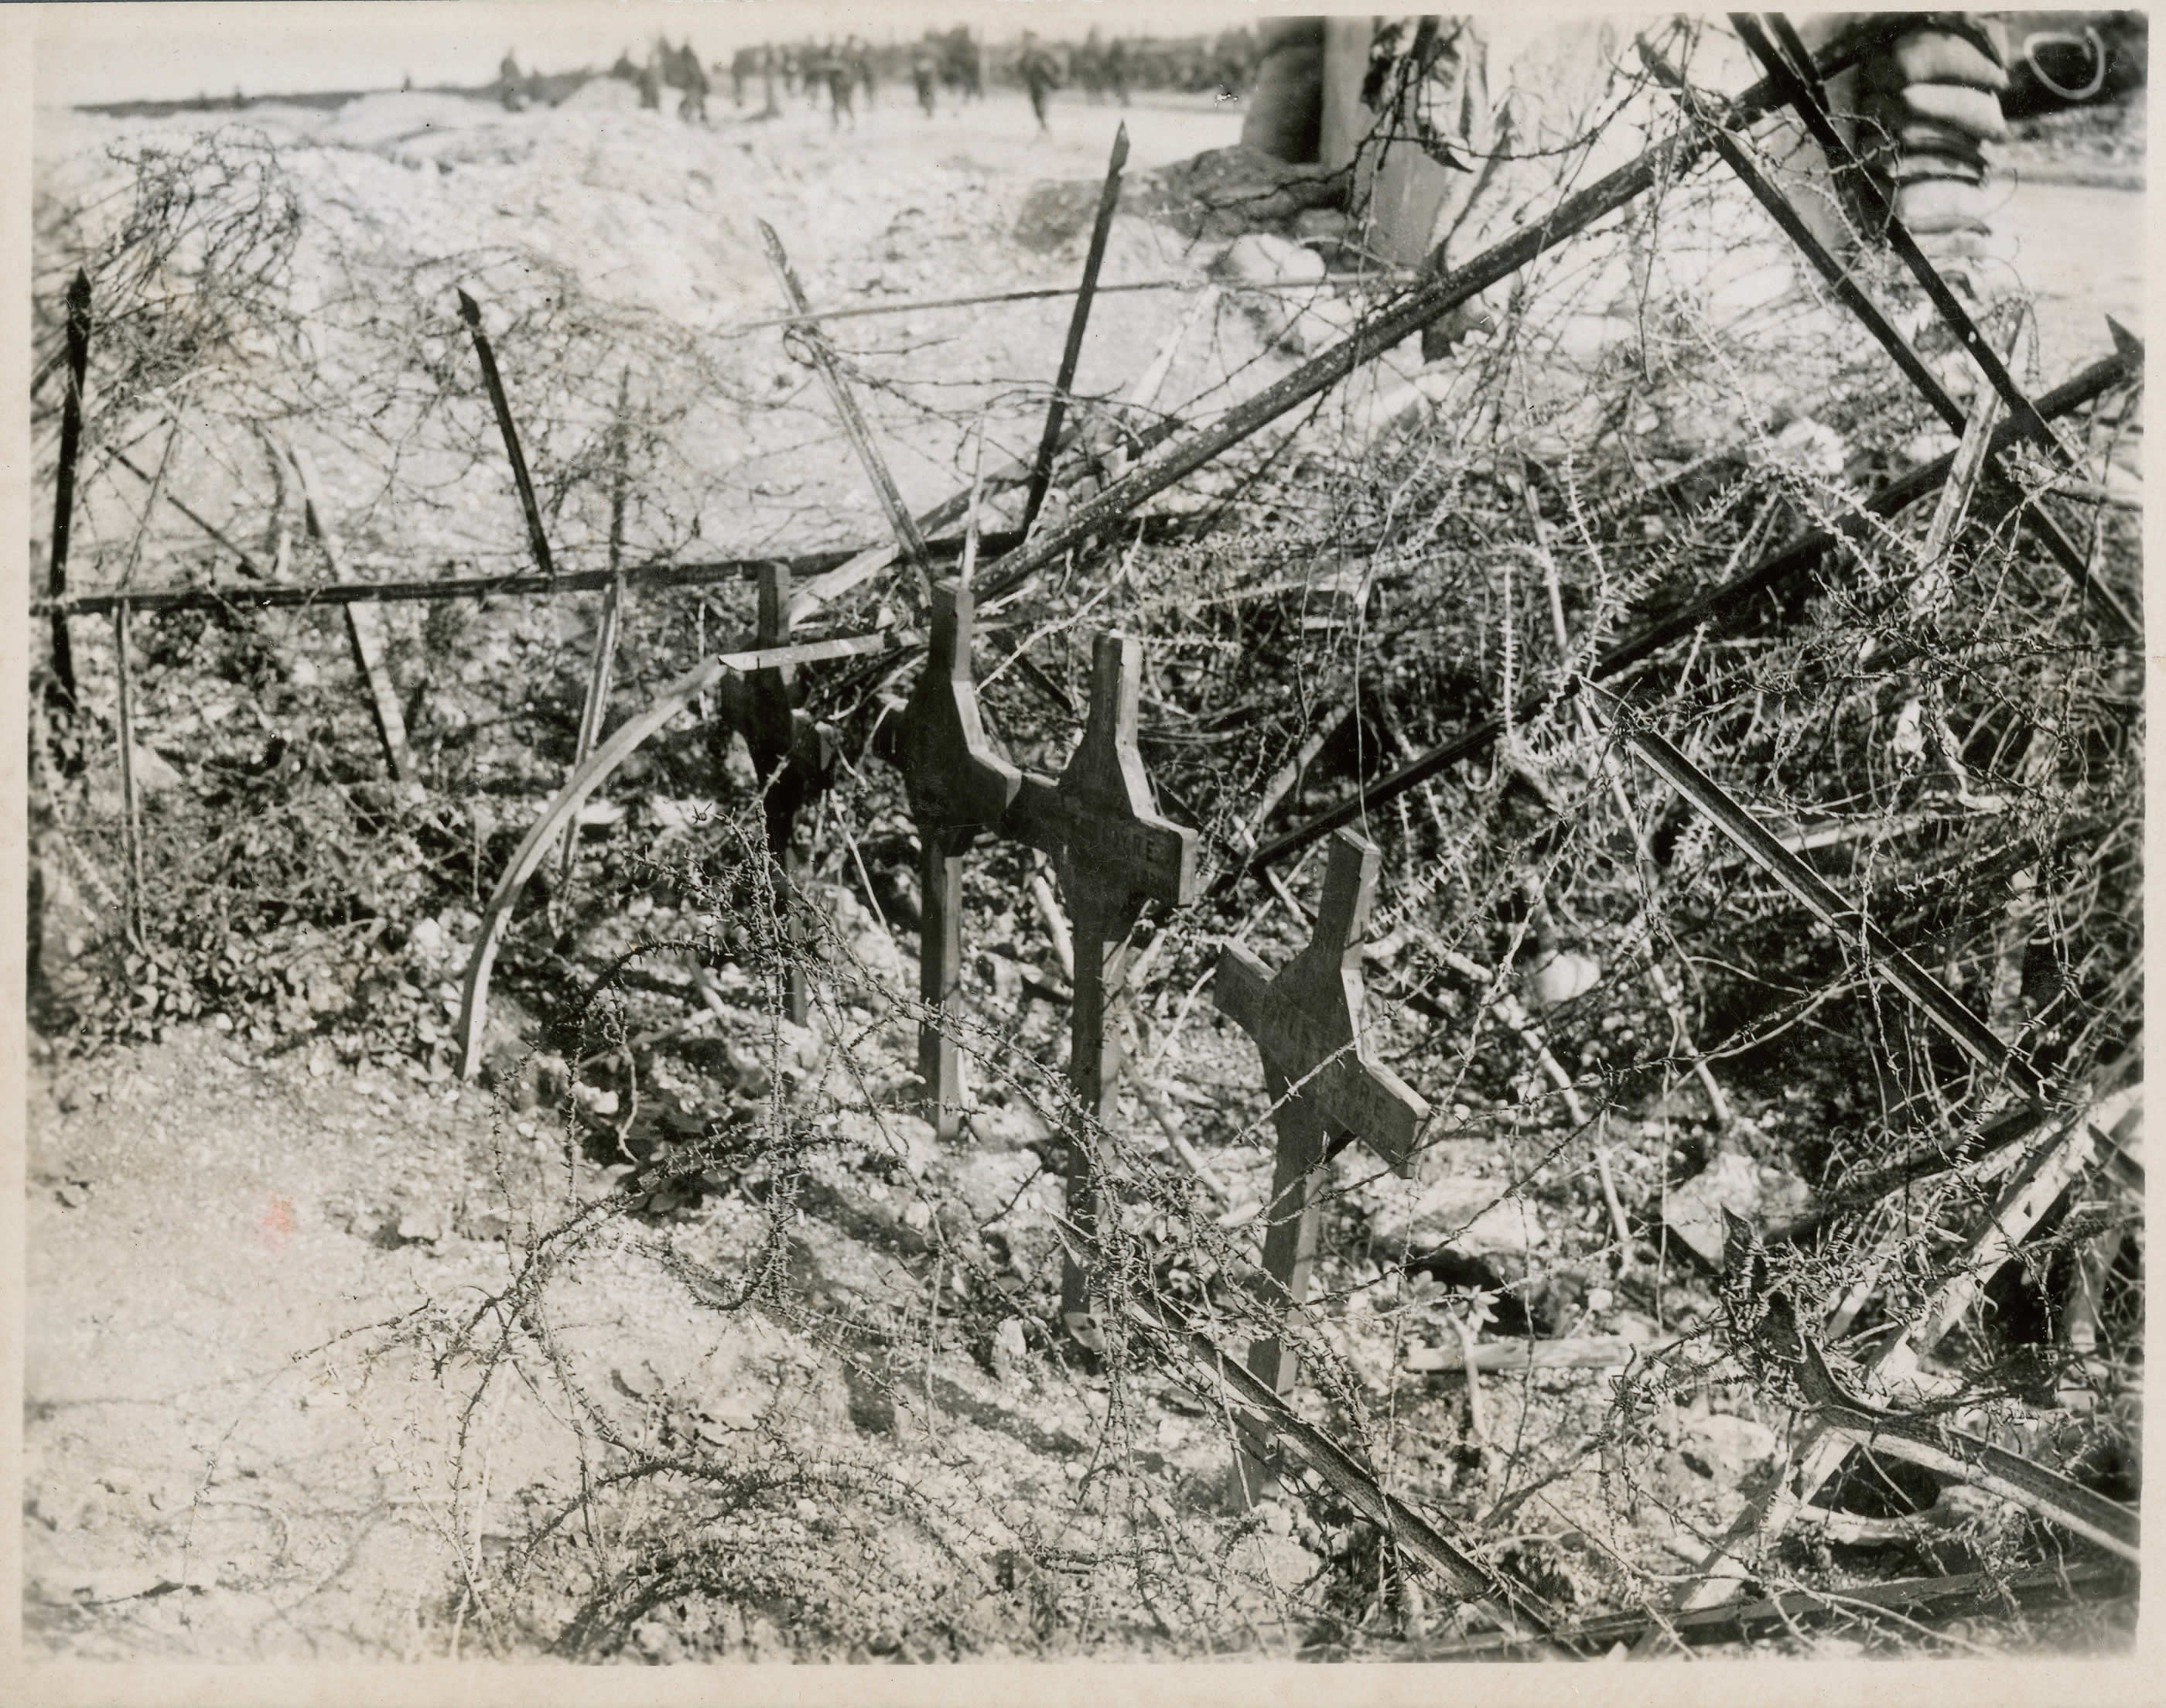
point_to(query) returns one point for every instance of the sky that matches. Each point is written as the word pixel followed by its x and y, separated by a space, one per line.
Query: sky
pixel 178 49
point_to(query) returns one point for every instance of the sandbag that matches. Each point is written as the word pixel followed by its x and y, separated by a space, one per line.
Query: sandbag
pixel 1977 111
pixel 1931 57
pixel 1916 165
pixel 1930 206
pixel 1925 136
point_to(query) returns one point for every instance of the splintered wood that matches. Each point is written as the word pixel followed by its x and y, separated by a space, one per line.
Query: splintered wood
pixel 78 363
pixel 364 630
pixel 1327 1089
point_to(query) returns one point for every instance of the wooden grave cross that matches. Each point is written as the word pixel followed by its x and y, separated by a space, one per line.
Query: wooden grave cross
pixel 960 787
pixel 793 756
pixel 1326 1089
pixel 1112 852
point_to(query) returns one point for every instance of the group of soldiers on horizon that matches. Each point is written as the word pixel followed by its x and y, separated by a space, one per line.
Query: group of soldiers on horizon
pixel 666 67
pixel 837 74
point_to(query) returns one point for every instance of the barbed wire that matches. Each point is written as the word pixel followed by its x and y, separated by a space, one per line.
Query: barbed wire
pixel 1353 593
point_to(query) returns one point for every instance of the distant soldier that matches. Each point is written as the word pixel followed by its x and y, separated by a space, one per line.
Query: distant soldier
pixel 770 64
pixel 510 81
pixel 966 64
pixel 857 60
pixel 692 79
pixel 1089 67
pixel 1040 75
pixel 743 63
pixel 925 76
pixel 1117 69
pixel 650 85
pixel 829 69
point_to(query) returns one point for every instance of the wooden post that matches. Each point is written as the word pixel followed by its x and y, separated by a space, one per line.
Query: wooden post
pixel 131 830
pixel 1113 852
pixel 1535 236
pixel 1717 605
pixel 793 757
pixel 78 363
pixel 1326 1089
pixel 364 629
pixel 1109 200
pixel 2031 515
pixel 1791 88
pixel 242 559
pixel 470 312
pixel 960 786
pixel 595 711
pixel 907 533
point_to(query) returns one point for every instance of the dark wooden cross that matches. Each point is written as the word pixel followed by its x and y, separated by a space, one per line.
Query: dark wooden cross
pixel 960 786
pixel 794 757
pixel 1326 1089
pixel 1111 852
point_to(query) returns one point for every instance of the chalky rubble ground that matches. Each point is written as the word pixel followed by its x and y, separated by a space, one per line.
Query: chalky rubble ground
pixel 227 1458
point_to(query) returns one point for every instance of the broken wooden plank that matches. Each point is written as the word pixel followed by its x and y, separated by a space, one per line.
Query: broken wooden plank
pixel 364 629
pixel 1502 1357
pixel 793 653
pixel 1970 465
pixel 594 709
pixel 1969 1459
pixel 1109 199
pixel 1814 1457
pixel 1946 1011
pixel 63 474
pixel 1776 570
pixel 537 540
pixel 906 532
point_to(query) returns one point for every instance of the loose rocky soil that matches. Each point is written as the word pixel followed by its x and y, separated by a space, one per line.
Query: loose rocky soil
pixel 238 1446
